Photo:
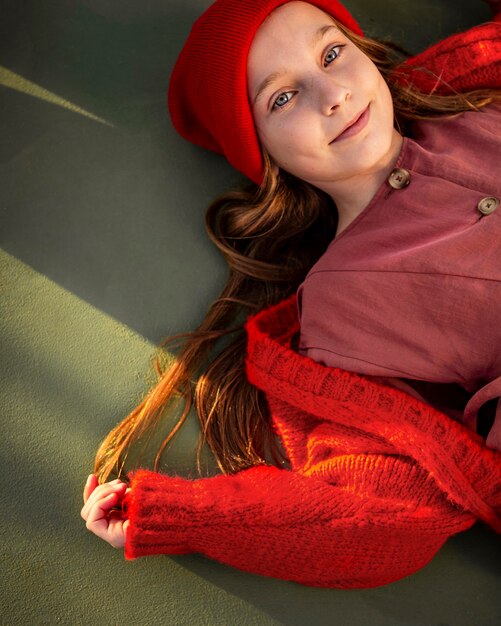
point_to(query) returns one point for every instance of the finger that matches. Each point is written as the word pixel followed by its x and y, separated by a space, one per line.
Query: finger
pixel 107 525
pixel 90 485
pixel 116 533
pixel 101 492
pixel 97 520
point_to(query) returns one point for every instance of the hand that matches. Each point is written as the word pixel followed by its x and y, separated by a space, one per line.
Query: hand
pixel 101 520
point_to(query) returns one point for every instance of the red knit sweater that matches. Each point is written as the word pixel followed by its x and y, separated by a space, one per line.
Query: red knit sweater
pixel 378 480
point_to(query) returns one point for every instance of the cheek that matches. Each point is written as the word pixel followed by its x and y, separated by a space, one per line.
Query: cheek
pixel 371 77
pixel 278 142
pixel 387 101
pixel 287 139
pixel 384 92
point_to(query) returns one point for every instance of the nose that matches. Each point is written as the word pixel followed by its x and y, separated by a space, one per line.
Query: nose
pixel 332 94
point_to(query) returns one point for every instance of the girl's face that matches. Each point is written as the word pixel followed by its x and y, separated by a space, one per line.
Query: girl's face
pixel 321 108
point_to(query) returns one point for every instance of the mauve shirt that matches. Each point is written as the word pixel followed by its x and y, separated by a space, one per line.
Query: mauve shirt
pixel 411 289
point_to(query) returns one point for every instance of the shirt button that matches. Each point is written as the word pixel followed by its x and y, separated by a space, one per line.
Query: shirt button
pixel 488 205
pixel 399 178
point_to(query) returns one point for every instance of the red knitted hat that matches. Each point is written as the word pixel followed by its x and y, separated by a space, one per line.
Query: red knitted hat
pixel 208 89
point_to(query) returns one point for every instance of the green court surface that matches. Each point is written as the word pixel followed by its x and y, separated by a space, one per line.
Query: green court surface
pixel 103 254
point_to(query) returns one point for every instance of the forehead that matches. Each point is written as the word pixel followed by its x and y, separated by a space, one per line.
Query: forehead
pixel 292 16
pixel 282 38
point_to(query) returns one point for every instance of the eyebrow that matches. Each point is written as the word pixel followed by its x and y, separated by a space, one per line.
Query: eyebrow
pixel 318 36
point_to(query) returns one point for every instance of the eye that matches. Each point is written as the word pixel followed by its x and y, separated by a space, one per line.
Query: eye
pixel 283 99
pixel 332 55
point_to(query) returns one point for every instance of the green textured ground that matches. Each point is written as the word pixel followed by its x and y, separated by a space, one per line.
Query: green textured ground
pixel 102 254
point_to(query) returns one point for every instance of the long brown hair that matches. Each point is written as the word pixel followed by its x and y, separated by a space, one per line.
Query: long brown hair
pixel 270 236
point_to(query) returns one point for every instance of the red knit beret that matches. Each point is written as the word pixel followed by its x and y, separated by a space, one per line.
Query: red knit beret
pixel 208 89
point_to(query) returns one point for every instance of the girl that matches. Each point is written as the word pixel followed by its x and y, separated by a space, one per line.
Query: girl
pixel 375 198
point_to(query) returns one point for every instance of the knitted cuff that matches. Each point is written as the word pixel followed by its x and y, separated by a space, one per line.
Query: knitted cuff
pixel 162 513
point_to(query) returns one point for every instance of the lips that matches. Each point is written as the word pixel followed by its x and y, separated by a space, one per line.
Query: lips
pixel 355 126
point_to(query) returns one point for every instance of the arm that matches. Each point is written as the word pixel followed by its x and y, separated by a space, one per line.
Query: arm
pixel 287 525
pixel 346 518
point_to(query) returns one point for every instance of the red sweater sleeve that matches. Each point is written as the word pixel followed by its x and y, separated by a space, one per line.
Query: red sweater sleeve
pixel 284 524
pixel 462 62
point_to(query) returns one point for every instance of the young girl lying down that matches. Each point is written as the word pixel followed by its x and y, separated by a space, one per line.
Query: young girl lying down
pixel 366 253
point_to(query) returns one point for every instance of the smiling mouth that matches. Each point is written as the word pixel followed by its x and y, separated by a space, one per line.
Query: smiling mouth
pixel 355 126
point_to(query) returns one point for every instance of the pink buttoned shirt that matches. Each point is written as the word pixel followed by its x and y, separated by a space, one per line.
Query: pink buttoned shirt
pixel 411 290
